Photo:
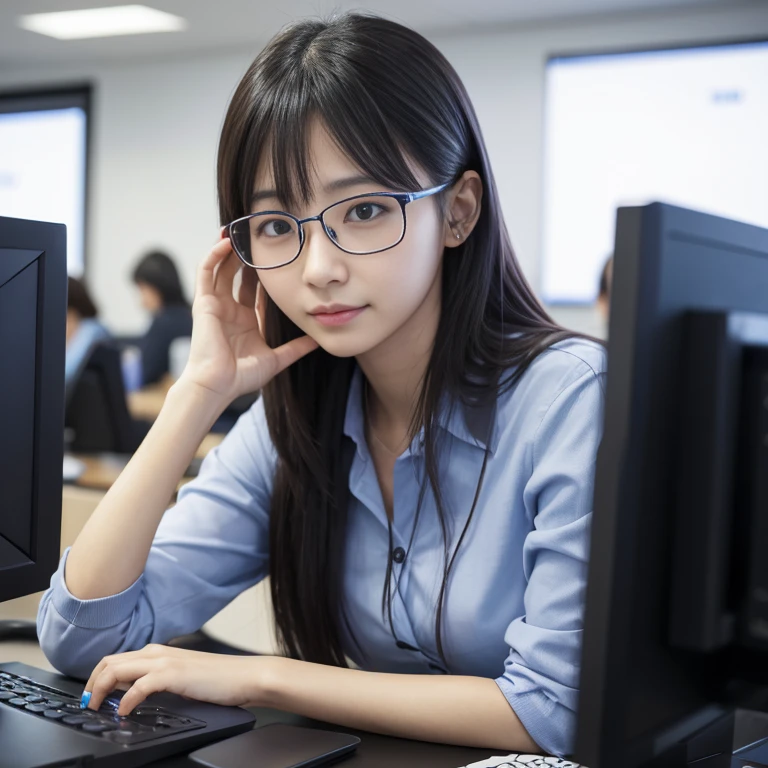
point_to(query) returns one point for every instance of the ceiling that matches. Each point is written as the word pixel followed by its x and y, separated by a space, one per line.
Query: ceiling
pixel 222 24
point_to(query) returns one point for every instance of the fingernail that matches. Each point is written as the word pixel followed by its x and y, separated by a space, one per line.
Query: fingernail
pixel 85 699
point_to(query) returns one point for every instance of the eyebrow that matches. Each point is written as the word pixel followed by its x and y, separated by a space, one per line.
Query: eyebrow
pixel 349 181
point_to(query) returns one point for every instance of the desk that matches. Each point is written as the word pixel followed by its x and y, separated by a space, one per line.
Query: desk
pixel 145 403
pixel 377 751
pixel 102 469
pixel 374 751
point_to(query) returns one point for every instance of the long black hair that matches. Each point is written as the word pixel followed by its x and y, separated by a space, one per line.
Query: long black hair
pixel 386 96
pixel 158 270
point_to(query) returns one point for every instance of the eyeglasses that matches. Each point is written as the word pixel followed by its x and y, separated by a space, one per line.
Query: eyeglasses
pixel 359 225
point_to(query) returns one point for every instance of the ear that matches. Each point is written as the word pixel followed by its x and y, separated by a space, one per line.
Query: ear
pixel 463 208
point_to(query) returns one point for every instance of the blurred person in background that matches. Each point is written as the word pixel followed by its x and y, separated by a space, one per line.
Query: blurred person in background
pixel 162 295
pixel 84 330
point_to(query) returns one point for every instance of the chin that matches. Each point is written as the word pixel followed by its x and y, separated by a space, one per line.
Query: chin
pixel 344 347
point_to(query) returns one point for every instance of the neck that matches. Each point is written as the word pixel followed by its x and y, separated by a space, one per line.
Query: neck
pixel 395 369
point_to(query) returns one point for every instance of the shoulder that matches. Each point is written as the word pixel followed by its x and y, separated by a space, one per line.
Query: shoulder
pixel 566 362
pixel 175 314
pixel 561 365
pixel 92 330
pixel 558 375
pixel 173 320
pixel 100 330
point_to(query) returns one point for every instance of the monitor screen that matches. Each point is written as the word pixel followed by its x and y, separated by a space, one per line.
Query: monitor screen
pixel 685 126
pixel 43 162
pixel 33 305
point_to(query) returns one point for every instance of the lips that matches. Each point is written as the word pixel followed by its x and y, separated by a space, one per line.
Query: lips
pixel 336 314
pixel 332 309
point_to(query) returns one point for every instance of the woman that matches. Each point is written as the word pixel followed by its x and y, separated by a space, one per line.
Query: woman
pixel 417 477
pixel 162 296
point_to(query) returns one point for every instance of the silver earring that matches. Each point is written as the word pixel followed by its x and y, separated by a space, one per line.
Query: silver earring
pixel 458 235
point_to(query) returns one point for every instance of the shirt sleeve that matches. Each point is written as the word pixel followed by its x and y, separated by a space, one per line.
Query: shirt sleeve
pixel 209 547
pixel 541 673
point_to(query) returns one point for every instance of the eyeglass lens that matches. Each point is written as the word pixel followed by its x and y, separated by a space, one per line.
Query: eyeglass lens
pixel 363 225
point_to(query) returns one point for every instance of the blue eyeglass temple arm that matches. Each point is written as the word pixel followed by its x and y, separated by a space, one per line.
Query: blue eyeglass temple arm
pixel 427 192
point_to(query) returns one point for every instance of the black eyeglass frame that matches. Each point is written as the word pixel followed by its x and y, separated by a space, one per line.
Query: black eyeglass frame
pixel 402 197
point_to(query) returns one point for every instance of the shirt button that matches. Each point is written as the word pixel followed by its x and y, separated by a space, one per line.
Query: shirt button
pixel 398 555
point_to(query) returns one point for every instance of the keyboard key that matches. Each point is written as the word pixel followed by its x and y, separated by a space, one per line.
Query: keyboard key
pixel 18 702
pixel 54 714
pixel 37 708
pixel 34 698
pixel 6 695
pixel 54 703
pixel 98 727
pixel 122 736
pixel 75 719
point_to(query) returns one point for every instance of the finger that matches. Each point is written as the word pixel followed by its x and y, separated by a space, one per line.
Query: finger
pixel 205 272
pixel 119 674
pixel 249 285
pixel 224 276
pixel 152 650
pixel 289 353
pixel 97 670
pixel 154 682
pixel 88 689
pixel 261 307
pixel 102 686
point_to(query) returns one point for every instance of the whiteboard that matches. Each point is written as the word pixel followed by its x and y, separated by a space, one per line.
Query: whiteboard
pixel 683 126
pixel 43 155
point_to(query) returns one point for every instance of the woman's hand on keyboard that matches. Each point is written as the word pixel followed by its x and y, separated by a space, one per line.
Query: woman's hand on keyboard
pixel 212 677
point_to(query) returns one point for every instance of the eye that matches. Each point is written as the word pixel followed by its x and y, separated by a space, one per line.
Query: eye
pixel 365 212
pixel 274 228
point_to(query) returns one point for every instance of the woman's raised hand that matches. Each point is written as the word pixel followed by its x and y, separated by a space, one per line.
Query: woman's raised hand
pixel 228 353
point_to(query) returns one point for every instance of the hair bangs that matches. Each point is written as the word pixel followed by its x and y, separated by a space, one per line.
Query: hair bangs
pixel 280 127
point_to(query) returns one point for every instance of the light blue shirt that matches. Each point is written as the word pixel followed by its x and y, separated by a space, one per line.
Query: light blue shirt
pixel 89 333
pixel 514 605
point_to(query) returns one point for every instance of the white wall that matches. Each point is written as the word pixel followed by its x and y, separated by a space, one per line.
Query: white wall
pixel 156 127
pixel 153 152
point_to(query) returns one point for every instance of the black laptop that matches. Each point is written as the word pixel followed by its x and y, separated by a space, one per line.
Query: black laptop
pixel 42 725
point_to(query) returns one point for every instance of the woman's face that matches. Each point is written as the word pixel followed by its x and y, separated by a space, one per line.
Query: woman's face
pixel 390 290
pixel 150 298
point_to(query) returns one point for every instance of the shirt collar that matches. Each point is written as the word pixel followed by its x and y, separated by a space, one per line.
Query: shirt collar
pixel 468 422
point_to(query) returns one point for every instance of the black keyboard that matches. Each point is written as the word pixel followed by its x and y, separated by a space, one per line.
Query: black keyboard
pixel 146 722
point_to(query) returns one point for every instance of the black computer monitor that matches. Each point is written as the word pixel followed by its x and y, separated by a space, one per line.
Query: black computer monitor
pixel 677 599
pixel 33 308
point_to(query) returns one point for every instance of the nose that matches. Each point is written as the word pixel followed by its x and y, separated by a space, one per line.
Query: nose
pixel 323 262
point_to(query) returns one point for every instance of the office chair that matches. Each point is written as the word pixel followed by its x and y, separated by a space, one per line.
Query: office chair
pixel 97 409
